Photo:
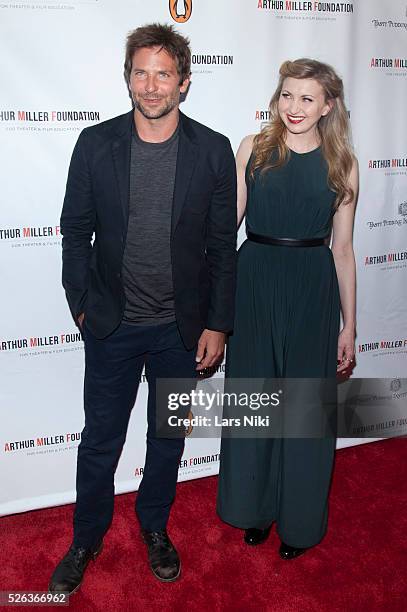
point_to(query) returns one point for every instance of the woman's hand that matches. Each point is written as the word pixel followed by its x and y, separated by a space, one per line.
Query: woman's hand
pixel 346 349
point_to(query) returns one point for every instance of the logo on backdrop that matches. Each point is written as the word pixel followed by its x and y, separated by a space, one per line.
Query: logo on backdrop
pixel 387 261
pixel 44 444
pixel 35 346
pixel 402 25
pixel 262 115
pixel 389 24
pixel 202 463
pixel 47 120
pixel 395 385
pixel 209 59
pixel 27 116
pixel 399 345
pixel 29 236
pixel 42 6
pixel 395 222
pixel 265 115
pixel 203 63
pixel 380 164
pixel 388 62
pixel 301 7
pixel 180 10
pixel 389 66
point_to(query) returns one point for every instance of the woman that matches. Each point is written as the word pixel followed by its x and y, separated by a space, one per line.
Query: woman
pixel 297 183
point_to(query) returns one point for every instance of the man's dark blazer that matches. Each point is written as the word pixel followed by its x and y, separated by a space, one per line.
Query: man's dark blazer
pixel 203 228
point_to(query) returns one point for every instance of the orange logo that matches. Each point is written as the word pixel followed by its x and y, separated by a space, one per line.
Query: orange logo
pixel 180 10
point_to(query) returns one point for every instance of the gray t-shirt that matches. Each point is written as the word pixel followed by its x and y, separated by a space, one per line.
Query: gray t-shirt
pixel 146 272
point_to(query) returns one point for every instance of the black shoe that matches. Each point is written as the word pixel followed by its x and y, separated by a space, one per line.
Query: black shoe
pixel 289 552
pixel 255 536
pixel 164 560
pixel 68 574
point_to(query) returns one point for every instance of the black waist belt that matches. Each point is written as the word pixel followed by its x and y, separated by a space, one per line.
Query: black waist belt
pixel 292 242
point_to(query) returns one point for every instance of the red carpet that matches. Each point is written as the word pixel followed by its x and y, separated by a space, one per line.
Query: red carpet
pixel 360 565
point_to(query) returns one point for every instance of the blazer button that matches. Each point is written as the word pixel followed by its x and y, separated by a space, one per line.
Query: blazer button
pixel 119 275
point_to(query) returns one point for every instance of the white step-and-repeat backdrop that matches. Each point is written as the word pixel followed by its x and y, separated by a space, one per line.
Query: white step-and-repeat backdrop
pixel 61 71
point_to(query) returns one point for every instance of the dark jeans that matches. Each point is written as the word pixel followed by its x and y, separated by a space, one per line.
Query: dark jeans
pixel 112 373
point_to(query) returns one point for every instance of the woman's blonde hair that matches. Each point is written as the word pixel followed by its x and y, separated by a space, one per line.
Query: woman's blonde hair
pixel 333 128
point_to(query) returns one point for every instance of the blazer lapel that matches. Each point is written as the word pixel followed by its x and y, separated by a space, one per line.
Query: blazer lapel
pixel 121 150
pixel 186 161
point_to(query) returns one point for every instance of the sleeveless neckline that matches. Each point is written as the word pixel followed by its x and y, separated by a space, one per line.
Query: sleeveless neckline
pixel 306 152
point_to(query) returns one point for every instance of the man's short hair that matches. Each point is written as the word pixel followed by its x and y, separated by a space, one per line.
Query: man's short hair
pixel 165 37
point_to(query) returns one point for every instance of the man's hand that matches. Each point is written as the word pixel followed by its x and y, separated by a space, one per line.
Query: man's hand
pixel 211 347
pixel 80 320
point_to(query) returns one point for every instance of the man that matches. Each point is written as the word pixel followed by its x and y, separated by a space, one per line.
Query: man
pixel 156 288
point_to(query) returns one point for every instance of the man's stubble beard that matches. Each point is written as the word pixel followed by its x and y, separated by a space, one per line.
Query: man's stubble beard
pixel 160 112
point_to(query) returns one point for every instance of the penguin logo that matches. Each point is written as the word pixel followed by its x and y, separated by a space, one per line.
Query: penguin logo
pixel 395 385
pixel 180 10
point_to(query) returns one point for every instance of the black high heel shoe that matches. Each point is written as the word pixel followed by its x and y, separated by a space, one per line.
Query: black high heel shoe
pixel 254 536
